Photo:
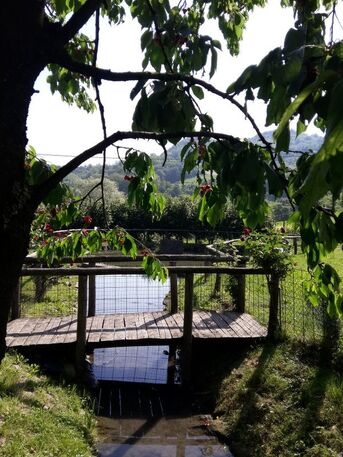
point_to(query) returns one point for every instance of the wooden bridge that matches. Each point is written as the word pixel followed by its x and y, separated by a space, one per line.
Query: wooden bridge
pixel 86 330
pixel 131 329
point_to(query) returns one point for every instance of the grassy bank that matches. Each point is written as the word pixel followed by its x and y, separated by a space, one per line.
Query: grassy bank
pixel 282 401
pixel 40 418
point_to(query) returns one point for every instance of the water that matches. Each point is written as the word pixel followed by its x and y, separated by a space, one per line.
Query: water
pixel 139 415
pixel 165 437
pixel 131 294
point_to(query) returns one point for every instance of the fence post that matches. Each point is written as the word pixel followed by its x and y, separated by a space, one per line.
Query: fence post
pixel 173 291
pixel 295 246
pixel 274 300
pixel 240 298
pixel 15 307
pixel 187 329
pixel 91 293
pixel 81 324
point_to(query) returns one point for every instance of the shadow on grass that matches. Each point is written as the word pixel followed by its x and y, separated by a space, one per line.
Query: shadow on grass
pixel 251 414
pixel 281 419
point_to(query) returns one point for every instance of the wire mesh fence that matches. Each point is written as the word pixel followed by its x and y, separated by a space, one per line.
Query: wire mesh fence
pixel 129 294
pixel 48 296
pixel 299 318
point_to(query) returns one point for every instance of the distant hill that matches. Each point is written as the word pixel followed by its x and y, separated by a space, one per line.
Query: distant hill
pixel 302 143
pixel 169 175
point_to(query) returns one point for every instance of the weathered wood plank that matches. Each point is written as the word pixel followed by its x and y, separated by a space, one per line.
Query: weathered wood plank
pixel 130 326
pixel 162 325
pixel 61 330
pixel 142 333
pixel 151 326
pixel 212 325
pixel 107 332
pixel 200 322
pixel 138 327
pixel 38 331
pixel 174 328
pixel 178 319
pixel 94 334
pixel 50 331
pixel 14 330
pixel 71 336
pixel 119 327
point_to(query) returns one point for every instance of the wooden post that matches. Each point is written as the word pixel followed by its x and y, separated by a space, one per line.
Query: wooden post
pixel 187 329
pixel 91 293
pixel 173 291
pixel 16 308
pixel 295 246
pixel 240 299
pixel 274 292
pixel 81 324
pixel 207 275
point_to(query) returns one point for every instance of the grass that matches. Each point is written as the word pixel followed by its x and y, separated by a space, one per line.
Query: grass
pixel 57 296
pixel 40 418
pixel 281 401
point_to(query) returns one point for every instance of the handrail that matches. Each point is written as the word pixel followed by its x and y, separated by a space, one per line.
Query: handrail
pixel 87 270
pixel 121 258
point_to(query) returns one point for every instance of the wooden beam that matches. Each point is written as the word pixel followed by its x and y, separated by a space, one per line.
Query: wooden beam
pixel 173 291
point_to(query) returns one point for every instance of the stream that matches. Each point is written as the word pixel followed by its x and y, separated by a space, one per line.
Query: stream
pixel 142 409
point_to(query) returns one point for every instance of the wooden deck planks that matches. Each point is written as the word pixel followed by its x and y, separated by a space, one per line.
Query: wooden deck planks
pixel 132 327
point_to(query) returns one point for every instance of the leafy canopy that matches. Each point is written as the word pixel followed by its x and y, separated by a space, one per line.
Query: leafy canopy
pixel 300 82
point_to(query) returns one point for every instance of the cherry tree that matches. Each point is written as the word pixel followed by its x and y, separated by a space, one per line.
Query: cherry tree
pixel 300 82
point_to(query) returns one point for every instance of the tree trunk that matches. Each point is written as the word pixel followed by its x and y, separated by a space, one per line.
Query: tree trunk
pixel 22 59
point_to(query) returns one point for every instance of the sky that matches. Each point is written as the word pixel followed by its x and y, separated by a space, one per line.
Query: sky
pixel 58 131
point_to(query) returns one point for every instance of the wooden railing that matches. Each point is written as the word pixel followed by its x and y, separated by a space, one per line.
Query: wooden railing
pixel 87 295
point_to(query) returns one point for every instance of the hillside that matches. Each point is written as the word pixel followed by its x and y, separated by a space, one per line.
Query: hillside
pixel 169 175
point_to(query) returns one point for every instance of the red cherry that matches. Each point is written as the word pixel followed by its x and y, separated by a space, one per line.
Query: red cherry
pixel 87 220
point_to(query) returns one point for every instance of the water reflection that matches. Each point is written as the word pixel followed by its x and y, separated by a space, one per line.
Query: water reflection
pixel 143 364
pixel 130 294
pixel 153 450
pixel 164 437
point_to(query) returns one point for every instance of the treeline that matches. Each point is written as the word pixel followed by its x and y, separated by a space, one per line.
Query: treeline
pixel 180 214
pixel 168 174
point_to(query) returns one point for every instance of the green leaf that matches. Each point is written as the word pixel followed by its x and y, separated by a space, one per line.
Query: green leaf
pixel 198 92
pixel 317 183
pixel 294 106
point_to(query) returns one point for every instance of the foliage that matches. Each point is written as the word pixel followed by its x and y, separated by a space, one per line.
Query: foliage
pixel 39 417
pixel 299 82
pixel 268 250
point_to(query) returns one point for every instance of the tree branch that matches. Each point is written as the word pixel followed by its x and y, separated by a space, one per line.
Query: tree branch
pixel 40 191
pixel 108 75
pixel 79 19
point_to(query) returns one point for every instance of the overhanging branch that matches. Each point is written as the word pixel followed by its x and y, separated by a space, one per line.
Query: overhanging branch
pixel 79 19
pixel 42 190
pixel 108 75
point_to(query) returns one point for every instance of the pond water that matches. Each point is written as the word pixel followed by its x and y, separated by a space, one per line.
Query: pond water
pixel 141 409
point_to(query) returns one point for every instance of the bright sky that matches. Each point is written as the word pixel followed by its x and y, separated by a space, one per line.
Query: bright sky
pixel 58 130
